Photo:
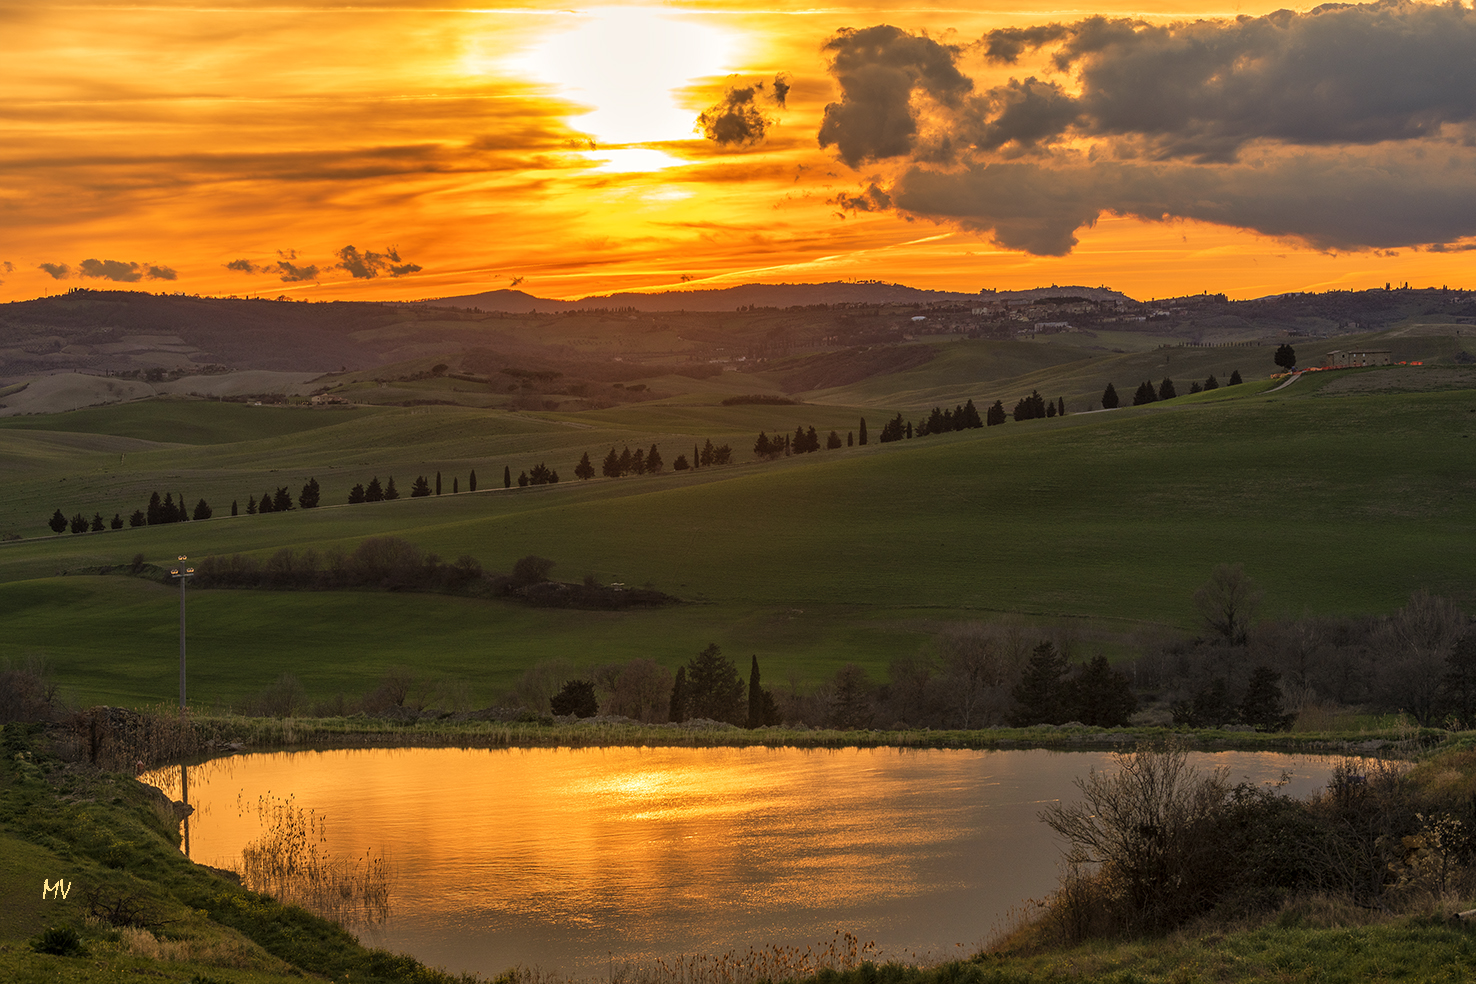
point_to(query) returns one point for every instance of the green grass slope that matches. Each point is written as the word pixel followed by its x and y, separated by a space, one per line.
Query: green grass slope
pixel 1335 504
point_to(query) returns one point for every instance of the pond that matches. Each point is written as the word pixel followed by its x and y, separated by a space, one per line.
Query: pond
pixel 569 860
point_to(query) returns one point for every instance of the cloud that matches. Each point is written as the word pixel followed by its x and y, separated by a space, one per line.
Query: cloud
pixel 879 68
pixel 288 271
pixel 1325 198
pixel 736 119
pixel 293 273
pixel 369 264
pixel 123 271
pixel 1338 74
pixel 1346 127
pixel 9 267
pixel 58 271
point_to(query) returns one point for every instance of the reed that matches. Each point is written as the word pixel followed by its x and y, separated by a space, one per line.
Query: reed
pixel 290 863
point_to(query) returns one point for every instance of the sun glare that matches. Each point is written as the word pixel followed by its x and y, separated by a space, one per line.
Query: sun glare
pixel 627 62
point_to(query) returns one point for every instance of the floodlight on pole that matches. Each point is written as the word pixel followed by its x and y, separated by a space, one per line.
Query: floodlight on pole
pixel 182 572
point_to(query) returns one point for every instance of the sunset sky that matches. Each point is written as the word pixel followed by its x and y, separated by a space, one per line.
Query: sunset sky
pixel 398 150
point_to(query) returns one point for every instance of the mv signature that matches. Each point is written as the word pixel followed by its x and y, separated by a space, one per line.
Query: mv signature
pixel 57 891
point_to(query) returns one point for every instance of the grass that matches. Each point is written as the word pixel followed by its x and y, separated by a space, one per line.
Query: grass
pixel 1336 504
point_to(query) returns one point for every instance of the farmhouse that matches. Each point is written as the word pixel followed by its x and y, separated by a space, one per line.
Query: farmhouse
pixel 1363 357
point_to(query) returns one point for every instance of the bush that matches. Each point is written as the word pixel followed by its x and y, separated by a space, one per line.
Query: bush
pixel 61 941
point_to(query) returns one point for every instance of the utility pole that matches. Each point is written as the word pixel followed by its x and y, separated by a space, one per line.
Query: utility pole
pixel 182 572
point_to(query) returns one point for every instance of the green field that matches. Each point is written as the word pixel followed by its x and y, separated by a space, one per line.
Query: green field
pixel 1097 523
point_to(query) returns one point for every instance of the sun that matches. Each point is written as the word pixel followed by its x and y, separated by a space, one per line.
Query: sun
pixel 627 63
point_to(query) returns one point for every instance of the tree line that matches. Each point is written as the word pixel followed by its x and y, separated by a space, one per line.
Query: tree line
pixel 1147 393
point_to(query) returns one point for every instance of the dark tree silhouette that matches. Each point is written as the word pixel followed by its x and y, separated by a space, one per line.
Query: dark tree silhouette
pixel 1235 379
pixel 654 464
pixel 585 470
pixel 390 494
pixel 97 523
pixel 677 711
pixel 1109 398
pixel 1227 602
pixel 1101 696
pixel 1145 394
pixel 1041 695
pixel 58 522
pixel 79 523
pixel 235 509
pixel 203 510
pixel 1211 383
pixel 680 464
pixel 471 480
pixel 1261 705
pixel 117 522
pixel 357 494
pixel 577 698
pixel 282 500
pixel 996 414
pixel 375 491
pixel 420 488
pixel 310 495
pixel 1286 357
pixel 1166 390
pixel 714 688
pixel 137 519
pixel 861 432
pixel 251 505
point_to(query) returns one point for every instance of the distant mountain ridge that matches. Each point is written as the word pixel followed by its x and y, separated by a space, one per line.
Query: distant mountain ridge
pixel 763 295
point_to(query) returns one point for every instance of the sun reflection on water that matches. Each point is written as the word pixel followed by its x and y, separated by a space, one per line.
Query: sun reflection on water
pixel 561 858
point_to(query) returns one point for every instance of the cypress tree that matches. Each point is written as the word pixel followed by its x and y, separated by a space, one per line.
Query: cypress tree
pixel 235 510
pixel 438 483
pixel 755 696
pixel 862 431
pixel 455 485
pixel 117 523
pixel 390 493
pixel 1109 398
pixel 251 503
pixel 1235 379
pixel 471 481
pixel 1060 406
pixel 97 523
pixel 58 522
pixel 506 477
pixel 585 470
pixel 677 711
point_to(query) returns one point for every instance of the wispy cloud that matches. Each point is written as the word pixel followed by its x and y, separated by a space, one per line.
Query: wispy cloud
pixel 369 264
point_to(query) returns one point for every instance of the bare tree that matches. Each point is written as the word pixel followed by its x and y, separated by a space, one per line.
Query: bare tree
pixel 980 665
pixel 642 691
pixel 1417 643
pixel 1228 601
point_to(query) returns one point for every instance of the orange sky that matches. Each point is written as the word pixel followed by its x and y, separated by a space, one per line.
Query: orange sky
pixel 459 148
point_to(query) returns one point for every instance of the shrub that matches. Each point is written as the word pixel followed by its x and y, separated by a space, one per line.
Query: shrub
pixel 61 941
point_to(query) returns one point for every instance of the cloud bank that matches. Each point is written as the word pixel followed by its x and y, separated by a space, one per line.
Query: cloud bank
pixel 1346 127
pixel 118 271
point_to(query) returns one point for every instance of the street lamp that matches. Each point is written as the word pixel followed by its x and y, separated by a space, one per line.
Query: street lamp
pixel 182 572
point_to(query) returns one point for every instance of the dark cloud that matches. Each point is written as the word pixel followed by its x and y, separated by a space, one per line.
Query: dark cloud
pixel 1327 199
pixel 9 267
pixel 1346 127
pixel 118 271
pixel 736 120
pixel 870 199
pixel 781 89
pixel 121 271
pixel 292 273
pixel 369 264
pixel 245 266
pixel 879 69
pixel 1338 74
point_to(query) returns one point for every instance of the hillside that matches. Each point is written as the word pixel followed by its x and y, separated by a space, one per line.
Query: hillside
pixel 1337 499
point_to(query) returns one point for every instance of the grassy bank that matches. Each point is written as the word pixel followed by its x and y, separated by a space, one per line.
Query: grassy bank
pixel 134 908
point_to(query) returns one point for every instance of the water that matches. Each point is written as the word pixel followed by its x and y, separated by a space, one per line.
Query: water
pixel 569 859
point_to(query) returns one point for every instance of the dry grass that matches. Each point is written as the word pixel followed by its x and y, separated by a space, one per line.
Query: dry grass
pixel 289 863
pixel 844 952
